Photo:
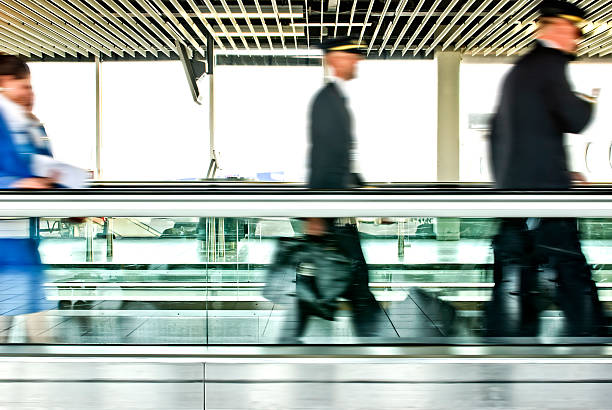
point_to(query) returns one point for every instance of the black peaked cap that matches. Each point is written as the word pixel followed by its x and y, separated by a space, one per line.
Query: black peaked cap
pixel 346 44
pixel 563 9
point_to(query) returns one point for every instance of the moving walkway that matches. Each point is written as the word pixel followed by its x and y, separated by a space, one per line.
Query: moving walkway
pixel 189 329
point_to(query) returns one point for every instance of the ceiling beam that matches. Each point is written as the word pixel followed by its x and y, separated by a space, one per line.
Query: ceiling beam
pixel 378 26
pixel 235 24
pixel 18 33
pixel 182 31
pixel 420 27
pixel 249 23
pixel 365 20
pixel 416 11
pixel 466 24
pixel 40 32
pixel 54 31
pixel 135 26
pixel 73 19
pixel 263 22
pixel 141 42
pixel 435 27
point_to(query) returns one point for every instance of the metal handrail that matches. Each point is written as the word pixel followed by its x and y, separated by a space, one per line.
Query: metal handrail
pixel 303 203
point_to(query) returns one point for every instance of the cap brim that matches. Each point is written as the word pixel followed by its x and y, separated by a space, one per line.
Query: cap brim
pixel 348 48
pixel 573 19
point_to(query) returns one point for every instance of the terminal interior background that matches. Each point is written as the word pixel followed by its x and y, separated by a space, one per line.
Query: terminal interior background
pixel 394 104
pixel 193 281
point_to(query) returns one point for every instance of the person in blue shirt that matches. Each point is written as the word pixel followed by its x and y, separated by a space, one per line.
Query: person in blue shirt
pixel 21 138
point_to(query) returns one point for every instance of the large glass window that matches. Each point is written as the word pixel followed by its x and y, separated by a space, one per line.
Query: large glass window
pixel 263 133
pixel 66 105
pixel 261 120
pixel 480 85
pixel 590 151
pixel 151 127
pixel 395 113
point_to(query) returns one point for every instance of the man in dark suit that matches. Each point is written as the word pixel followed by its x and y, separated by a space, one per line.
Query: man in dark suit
pixel 536 108
pixel 331 133
pixel 332 167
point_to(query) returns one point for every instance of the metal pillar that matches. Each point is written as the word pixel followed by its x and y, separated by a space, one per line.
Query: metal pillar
pixel 108 229
pixel 210 70
pixel 448 133
pixel 98 173
pixel 89 241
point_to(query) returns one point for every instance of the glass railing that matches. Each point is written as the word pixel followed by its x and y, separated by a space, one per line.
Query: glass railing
pixel 194 266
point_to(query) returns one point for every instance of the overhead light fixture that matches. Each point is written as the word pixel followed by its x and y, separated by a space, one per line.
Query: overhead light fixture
pixel 331 24
pixel 246 32
pixel 252 13
pixel 311 53
pixel 259 34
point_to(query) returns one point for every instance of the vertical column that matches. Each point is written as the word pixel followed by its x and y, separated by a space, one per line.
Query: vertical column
pixel 211 115
pixel 448 134
pixel 98 173
pixel 210 70
pixel 89 235
pixel 108 229
pixel 448 116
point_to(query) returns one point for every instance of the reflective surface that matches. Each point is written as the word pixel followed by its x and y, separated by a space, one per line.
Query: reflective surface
pixel 445 382
pixel 200 280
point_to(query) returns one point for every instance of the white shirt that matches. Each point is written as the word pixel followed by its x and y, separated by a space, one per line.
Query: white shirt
pixel 549 44
pixel 340 83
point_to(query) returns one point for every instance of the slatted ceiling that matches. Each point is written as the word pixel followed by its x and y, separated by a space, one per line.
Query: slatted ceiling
pixel 83 29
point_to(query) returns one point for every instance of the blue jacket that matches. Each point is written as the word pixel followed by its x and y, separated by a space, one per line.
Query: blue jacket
pixel 15 160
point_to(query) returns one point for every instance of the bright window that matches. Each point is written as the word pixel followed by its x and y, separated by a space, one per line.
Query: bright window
pixel 66 105
pixel 151 127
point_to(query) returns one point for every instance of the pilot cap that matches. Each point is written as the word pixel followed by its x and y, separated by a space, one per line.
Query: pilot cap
pixel 562 9
pixel 346 44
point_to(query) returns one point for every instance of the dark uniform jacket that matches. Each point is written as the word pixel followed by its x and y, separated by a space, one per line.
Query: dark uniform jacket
pixel 331 140
pixel 536 108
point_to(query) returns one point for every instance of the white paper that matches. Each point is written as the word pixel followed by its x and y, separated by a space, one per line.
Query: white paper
pixel 66 175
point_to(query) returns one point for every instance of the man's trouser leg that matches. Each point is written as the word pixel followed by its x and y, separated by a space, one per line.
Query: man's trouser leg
pixel 367 313
pixel 295 322
pixel 513 308
pixel 557 239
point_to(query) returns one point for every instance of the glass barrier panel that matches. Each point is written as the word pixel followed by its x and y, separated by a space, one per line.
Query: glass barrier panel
pixel 198 280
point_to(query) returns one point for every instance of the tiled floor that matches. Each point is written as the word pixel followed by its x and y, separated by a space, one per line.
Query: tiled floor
pixel 411 320
pixel 407 317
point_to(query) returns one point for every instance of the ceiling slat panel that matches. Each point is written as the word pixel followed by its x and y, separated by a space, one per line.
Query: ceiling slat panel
pixel 213 11
pixel 72 25
pixel 148 29
pixel 32 41
pixel 40 34
pixel 135 38
pixel 137 28
pixel 80 25
pixel 379 25
pixel 130 46
pixel 407 26
pixel 414 35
